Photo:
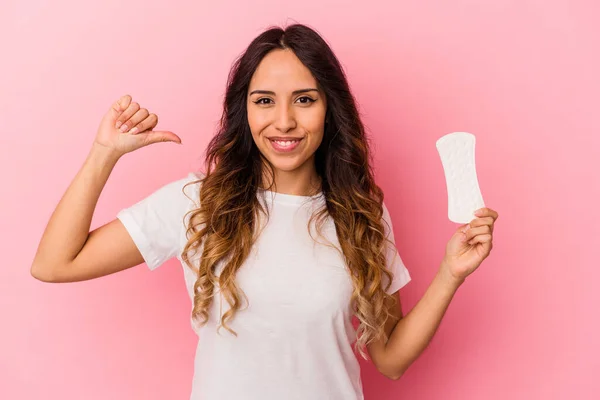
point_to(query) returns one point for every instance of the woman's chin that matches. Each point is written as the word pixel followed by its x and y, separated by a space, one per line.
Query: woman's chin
pixel 285 164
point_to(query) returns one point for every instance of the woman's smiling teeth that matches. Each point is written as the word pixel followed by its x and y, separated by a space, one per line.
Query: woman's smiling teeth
pixel 284 145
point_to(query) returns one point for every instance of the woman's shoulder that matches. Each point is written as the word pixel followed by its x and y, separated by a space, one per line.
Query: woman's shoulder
pixel 190 185
pixel 192 178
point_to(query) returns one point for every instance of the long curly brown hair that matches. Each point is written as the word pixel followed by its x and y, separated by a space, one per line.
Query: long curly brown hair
pixel 225 226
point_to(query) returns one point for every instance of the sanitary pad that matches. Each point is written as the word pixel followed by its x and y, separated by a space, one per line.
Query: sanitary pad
pixel 457 152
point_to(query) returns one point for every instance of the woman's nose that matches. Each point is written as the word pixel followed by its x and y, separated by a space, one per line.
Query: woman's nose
pixel 285 119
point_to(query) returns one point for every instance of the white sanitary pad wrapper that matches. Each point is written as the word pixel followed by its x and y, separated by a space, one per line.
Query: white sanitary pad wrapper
pixel 457 152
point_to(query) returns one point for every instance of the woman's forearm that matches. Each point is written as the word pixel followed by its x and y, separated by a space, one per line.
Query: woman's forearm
pixel 68 227
pixel 414 331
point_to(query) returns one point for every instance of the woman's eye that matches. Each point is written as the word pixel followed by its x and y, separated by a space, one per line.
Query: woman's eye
pixel 306 100
pixel 302 100
pixel 263 100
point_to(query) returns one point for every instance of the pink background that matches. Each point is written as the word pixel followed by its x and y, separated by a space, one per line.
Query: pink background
pixel 521 75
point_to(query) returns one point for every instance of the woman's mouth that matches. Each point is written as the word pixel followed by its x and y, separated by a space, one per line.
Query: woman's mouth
pixel 285 146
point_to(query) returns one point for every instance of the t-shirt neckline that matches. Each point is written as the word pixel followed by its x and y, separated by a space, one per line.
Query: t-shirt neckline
pixel 289 198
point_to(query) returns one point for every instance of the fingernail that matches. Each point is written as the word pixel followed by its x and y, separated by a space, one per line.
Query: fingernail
pixel 478 212
pixel 124 128
pixel 118 124
pixel 134 130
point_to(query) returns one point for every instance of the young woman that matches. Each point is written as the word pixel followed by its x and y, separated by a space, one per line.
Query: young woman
pixel 284 238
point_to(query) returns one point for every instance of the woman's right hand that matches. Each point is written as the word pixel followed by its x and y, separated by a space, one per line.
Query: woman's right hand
pixel 127 127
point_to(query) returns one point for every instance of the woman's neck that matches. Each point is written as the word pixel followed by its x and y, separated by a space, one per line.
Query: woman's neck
pixel 299 182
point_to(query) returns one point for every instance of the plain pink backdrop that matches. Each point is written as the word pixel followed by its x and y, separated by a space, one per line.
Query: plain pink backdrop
pixel 521 75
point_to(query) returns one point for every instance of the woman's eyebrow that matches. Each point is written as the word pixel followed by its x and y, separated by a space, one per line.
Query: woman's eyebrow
pixel 299 91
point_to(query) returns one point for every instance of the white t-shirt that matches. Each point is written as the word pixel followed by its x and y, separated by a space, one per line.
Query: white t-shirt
pixel 296 335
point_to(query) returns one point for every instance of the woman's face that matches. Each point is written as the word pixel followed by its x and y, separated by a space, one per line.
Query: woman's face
pixel 286 111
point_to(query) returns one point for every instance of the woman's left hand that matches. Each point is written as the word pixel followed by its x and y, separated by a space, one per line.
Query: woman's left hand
pixel 470 245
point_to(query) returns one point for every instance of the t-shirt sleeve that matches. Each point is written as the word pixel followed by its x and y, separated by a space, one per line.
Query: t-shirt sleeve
pixel 156 223
pixel 395 264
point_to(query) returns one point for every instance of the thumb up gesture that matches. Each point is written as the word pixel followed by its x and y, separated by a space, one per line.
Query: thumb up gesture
pixel 127 127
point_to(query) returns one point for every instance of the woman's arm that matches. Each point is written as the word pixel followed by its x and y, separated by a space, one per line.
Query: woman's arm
pixel 409 337
pixel 465 251
pixel 67 250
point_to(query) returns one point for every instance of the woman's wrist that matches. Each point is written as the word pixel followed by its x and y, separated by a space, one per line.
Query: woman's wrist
pixel 445 276
pixel 104 154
